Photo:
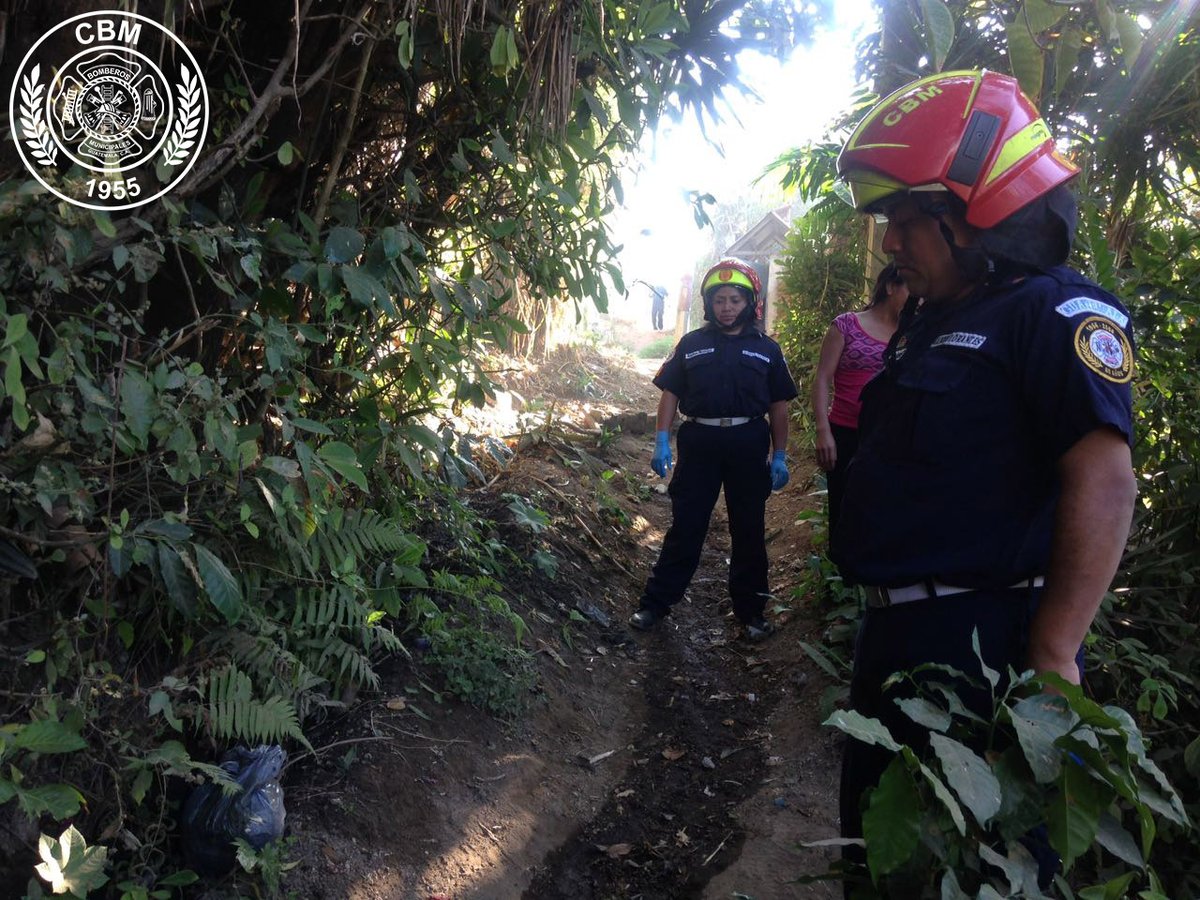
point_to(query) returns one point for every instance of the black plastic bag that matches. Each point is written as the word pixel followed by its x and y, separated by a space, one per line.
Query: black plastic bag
pixel 212 820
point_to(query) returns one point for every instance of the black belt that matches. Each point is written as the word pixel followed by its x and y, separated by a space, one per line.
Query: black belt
pixel 880 597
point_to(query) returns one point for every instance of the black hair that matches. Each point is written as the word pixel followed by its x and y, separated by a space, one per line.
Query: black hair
pixel 889 275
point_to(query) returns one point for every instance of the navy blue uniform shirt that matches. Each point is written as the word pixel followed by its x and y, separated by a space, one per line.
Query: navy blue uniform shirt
pixel 960 435
pixel 716 375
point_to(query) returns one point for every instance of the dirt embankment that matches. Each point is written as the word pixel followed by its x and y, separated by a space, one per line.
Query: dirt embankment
pixel 677 764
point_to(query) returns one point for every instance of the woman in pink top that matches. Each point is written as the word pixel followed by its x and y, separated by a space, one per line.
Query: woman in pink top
pixel 851 354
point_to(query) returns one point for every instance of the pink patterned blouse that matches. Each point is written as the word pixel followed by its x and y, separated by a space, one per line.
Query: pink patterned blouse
pixel 862 357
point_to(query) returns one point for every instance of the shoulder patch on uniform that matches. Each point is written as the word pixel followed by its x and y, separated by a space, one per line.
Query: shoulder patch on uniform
pixel 757 355
pixel 1104 348
pixel 960 339
pixel 1076 305
pixel 700 352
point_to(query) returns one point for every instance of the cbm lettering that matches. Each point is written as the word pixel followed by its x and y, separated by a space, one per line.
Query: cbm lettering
pixel 908 104
pixel 108 31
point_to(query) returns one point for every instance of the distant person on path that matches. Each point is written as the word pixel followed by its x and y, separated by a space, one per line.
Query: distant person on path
pixel 731 383
pixel 851 354
pixel 657 306
pixel 992 489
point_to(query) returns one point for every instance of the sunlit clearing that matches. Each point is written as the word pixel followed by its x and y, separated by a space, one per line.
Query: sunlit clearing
pixel 657 226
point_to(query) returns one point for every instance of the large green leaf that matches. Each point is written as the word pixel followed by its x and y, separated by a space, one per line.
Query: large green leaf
pixel 869 731
pixel 342 459
pixel 343 245
pixel 180 588
pixel 1131 39
pixel 1040 15
pixel 1026 60
pixel 138 404
pixel 1039 721
pixel 61 801
pixel 1113 837
pixel 1073 816
pixel 48 736
pixel 925 713
pixel 1021 806
pixel 941 792
pixel 70 865
pixel 892 821
pixel 1066 55
pixel 220 585
pixel 969 776
pixel 1019 868
pixel 939 31
pixel 364 288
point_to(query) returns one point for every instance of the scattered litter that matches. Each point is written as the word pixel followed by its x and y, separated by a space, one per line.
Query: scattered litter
pixel 681 837
pixel 728 723
pixel 593 612
pixel 592 760
pixel 774 760
pixel 708 763
pixel 615 851
pixel 672 753
pixel 628 792
pixel 780 802
pixel 212 820
pixel 397 704
pixel 554 655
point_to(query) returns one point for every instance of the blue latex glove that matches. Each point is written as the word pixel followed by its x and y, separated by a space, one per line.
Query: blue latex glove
pixel 661 461
pixel 779 470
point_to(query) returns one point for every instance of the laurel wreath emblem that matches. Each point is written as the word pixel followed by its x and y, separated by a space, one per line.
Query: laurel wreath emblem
pixel 37 134
pixel 187 126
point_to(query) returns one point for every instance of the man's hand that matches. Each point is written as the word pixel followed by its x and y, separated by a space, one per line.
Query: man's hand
pixel 779 470
pixel 661 461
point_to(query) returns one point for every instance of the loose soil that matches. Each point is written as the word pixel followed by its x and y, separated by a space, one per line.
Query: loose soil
pixel 683 763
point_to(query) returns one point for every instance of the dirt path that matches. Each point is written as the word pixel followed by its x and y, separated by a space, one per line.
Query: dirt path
pixel 685 763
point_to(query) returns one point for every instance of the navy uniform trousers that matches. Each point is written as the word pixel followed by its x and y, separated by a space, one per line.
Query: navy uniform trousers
pixel 711 457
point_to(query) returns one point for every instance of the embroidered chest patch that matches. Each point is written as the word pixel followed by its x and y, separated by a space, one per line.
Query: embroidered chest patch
pixel 699 352
pixel 1104 349
pixel 756 355
pixel 960 339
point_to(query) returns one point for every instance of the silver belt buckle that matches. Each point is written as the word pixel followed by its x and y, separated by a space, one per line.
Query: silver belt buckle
pixel 726 422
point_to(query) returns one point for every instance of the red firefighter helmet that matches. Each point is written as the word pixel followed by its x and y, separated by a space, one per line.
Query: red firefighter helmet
pixel 972 133
pixel 735 272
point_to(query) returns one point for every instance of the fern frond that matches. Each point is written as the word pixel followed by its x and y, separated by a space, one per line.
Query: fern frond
pixel 235 713
pixel 353 666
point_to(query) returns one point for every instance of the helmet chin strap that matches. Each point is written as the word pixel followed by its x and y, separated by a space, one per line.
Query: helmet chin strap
pixel 747 316
pixel 974 261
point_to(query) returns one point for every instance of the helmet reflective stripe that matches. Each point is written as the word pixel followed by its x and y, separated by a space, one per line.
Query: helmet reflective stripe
pixel 727 276
pixel 867 188
pixel 1017 147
